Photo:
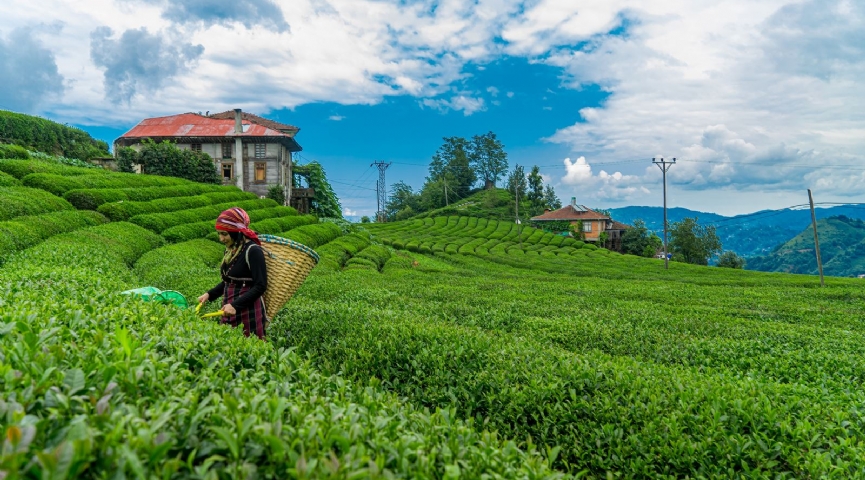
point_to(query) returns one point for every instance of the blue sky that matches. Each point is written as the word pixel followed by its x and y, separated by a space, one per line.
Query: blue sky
pixel 750 96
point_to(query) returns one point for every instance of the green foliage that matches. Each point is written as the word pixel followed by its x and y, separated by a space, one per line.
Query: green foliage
pixel 553 226
pixel 488 158
pixel 93 198
pixel 7 180
pixel 44 135
pixel 13 151
pixel 402 203
pixel 26 231
pixel 729 259
pixel 638 240
pixel 277 194
pixel 18 201
pixel 60 184
pixel 127 158
pixel 165 159
pixel 325 203
pixel 450 165
pixel 695 243
pixel 158 222
pixel 364 219
pixel 313 235
pixel 21 168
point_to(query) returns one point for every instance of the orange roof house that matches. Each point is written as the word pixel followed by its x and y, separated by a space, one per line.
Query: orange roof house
pixel 594 223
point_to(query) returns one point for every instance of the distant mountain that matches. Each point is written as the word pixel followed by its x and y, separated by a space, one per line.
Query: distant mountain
pixel 842 249
pixel 748 235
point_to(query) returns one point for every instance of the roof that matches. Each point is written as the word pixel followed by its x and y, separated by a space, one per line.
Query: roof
pixel 282 127
pixel 619 226
pixel 193 125
pixel 571 212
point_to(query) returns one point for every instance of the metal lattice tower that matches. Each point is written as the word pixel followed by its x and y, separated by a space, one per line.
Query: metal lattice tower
pixel 382 190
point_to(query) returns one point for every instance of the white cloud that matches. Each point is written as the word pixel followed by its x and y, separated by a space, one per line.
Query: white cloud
pixel 347 212
pixel 336 118
pixel 466 104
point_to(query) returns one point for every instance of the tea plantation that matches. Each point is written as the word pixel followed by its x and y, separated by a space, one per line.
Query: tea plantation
pixel 444 347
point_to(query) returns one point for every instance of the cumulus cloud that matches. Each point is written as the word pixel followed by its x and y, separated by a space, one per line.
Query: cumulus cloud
pixel 248 13
pixel 336 118
pixel 347 212
pixel 467 104
pixel 28 72
pixel 139 61
pixel 604 186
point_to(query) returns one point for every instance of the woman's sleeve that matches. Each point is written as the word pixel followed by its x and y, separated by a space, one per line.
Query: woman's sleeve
pixel 258 273
pixel 216 291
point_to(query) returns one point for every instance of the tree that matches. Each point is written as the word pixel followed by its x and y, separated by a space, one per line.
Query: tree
pixel 517 183
pixel 694 242
pixel 126 158
pixel 164 158
pixel 551 200
pixel 729 259
pixel 638 240
pixel 364 219
pixel 402 199
pixel 325 203
pixel 488 158
pixel 535 192
pixel 450 166
pixel 277 194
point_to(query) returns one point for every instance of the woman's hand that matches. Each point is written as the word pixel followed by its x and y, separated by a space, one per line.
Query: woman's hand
pixel 228 309
pixel 204 298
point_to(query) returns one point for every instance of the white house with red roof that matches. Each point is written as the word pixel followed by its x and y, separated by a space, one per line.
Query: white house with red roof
pixel 249 151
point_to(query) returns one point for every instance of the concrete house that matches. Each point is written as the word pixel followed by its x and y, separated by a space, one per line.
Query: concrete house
pixel 249 151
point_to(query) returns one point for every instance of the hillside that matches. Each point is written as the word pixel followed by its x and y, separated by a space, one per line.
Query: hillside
pixel 50 137
pixel 748 235
pixel 842 249
pixel 445 347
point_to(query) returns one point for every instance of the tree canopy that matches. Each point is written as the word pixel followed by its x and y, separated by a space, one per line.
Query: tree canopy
pixel 488 158
pixel 164 158
pixel 638 240
pixel 692 242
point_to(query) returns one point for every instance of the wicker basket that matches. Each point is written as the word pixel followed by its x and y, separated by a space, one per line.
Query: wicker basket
pixel 288 264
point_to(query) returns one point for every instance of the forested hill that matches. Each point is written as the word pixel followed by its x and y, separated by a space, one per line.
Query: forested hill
pixel 842 249
pixel 749 235
pixel 50 137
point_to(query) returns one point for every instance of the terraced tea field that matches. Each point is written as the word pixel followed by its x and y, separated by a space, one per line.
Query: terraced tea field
pixel 435 348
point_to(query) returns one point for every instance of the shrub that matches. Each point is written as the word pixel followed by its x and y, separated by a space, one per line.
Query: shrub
pixel 92 198
pixel 13 151
pixel 277 194
pixel 27 231
pixel 18 201
pixel 58 184
pixel 7 180
pixel 157 222
pixel 377 254
pixel 313 235
pixel 205 228
pixel 21 168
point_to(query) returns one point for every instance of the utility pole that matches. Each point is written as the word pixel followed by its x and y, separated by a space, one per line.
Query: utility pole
pixel 381 188
pixel 816 242
pixel 445 178
pixel 664 166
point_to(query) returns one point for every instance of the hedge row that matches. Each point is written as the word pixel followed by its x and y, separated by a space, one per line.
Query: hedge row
pixel 60 184
pixel 313 235
pixel 27 231
pixel 93 198
pixel 7 180
pixel 377 254
pixel 159 222
pixel 334 254
pixel 123 210
pixel 21 168
pixel 18 201
pixel 205 228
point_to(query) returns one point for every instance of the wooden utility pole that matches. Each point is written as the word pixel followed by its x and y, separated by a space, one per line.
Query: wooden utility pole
pixel 816 241
pixel 517 197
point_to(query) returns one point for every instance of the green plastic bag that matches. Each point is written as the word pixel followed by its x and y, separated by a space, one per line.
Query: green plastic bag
pixel 153 294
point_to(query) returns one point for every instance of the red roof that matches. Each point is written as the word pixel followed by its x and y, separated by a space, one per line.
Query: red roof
pixel 571 212
pixel 619 226
pixel 282 127
pixel 195 125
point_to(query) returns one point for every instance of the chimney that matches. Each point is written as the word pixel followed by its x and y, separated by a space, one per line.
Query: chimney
pixel 238 126
pixel 573 201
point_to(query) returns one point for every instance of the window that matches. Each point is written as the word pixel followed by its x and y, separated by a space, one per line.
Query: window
pixel 227 171
pixel 587 226
pixel 195 147
pixel 260 172
pixel 226 150
pixel 260 150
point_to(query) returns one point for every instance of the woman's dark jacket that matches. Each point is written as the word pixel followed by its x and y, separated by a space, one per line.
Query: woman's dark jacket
pixel 255 274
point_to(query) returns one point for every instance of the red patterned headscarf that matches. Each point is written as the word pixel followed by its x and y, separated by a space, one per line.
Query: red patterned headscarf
pixel 236 220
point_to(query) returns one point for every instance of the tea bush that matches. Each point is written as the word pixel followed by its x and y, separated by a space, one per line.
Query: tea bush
pixel 92 198
pixel 60 184
pixel 159 222
pixel 18 201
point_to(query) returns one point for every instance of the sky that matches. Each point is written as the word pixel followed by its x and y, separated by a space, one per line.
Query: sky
pixel 758 101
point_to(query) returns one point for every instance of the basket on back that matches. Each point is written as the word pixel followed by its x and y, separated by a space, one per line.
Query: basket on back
pixel 288 264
